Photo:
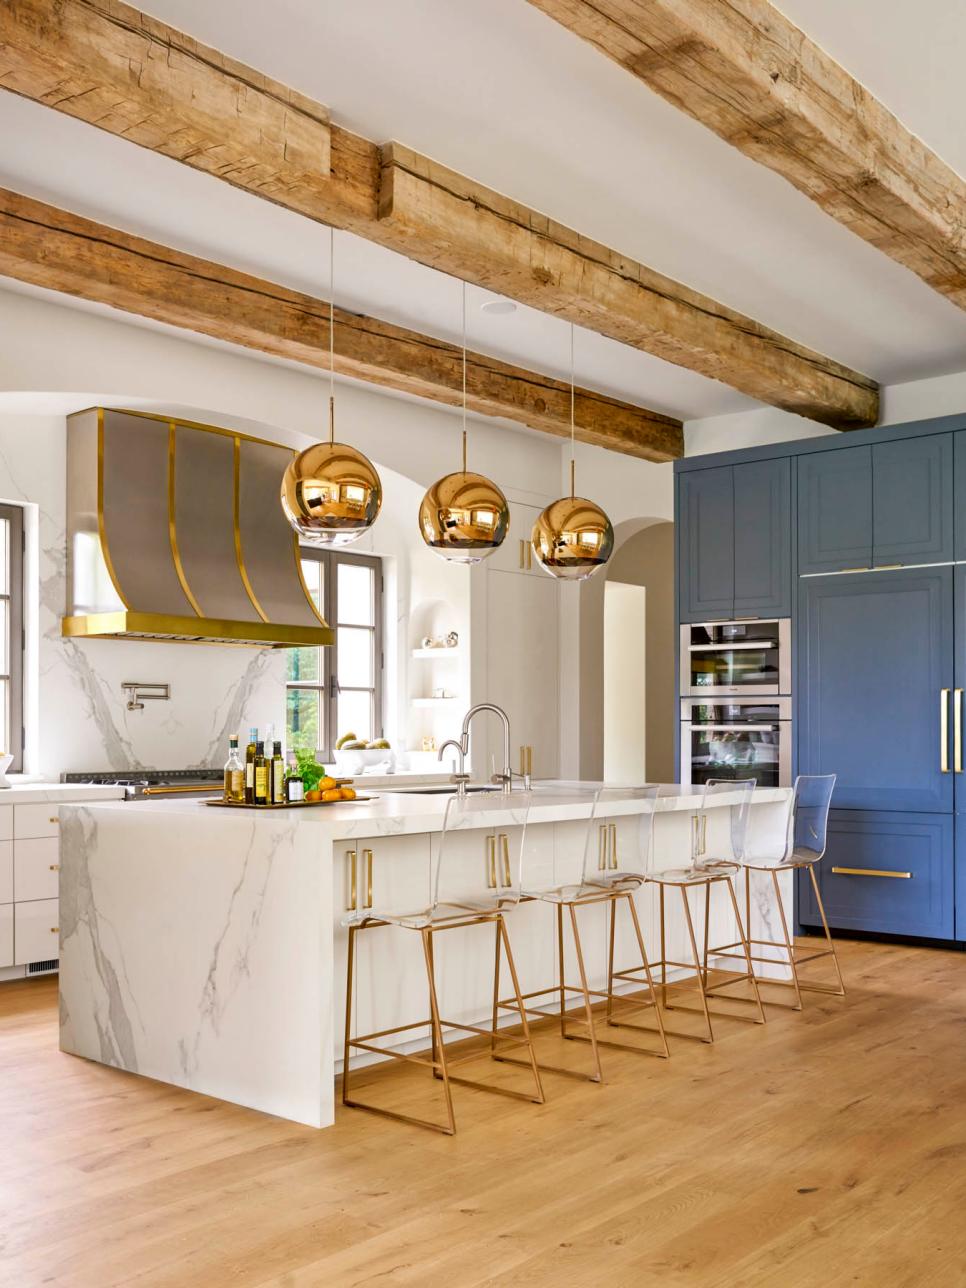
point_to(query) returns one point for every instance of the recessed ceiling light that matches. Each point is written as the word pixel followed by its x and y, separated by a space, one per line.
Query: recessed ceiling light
pixel 498 307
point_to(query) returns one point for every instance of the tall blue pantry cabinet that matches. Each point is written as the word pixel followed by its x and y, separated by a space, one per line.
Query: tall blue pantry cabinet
pixel 874 523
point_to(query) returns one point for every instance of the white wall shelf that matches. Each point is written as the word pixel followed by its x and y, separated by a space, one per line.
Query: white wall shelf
pixel 433 702
pixel 434 653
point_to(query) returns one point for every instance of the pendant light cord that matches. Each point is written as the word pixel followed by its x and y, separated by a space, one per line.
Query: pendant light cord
pixel 331 336
pixel 573 467
pixel 464 377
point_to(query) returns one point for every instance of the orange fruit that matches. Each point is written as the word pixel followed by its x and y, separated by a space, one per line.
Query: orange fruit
pixel 332 794
pixel 326 784
pixel 348 793
pixel 313 795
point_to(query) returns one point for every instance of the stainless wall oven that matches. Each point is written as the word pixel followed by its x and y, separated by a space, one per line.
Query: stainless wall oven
pixel 737 738
pixel 751 658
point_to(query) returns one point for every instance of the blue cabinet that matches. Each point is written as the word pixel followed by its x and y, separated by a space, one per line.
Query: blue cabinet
pixel 912 500
pixel 734 541
pixel 835 510
pixel 887 872
pixel 706 544
pixel 959 492
pixel 763 538
pixel 875 653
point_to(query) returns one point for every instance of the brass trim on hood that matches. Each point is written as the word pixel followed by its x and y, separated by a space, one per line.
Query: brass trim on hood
pixel 194 630
pixel 101 525
pixel 172 526
pixel 243 571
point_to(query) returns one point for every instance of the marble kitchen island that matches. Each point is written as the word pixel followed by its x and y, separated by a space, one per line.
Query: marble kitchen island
pixel 203 947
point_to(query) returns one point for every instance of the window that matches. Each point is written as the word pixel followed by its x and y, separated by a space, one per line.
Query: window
pixel 338 690
pixel 11 633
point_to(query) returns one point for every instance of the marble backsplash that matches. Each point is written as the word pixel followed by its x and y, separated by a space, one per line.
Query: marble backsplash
pixel 81 721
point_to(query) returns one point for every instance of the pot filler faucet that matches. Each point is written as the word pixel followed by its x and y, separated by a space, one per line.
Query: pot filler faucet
pixel 506 778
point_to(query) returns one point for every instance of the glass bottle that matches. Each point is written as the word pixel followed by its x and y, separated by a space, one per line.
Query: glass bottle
pixel 234 773
pixel 250 766
pixel 294 786
pixel 260 767
pixel 278 776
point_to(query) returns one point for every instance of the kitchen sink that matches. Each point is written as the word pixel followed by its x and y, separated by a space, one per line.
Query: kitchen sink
pixel 443 789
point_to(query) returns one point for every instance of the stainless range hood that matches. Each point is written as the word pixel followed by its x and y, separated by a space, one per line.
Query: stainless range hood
pixel 176 532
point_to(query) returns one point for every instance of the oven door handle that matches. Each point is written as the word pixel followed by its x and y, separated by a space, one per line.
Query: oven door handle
pixel 727 648
pixel 735 728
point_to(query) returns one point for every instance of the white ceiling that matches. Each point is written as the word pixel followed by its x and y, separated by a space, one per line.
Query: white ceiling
pixel 496 90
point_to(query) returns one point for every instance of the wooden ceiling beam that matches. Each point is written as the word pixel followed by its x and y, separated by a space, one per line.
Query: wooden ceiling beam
pixel 748 73
pixel 60 251
pixel 103 62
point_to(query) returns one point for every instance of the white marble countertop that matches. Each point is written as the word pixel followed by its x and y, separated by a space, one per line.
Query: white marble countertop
pixel 400 813
pixel 57 793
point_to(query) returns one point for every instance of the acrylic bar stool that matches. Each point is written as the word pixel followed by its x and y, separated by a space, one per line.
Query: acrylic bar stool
pixel 805 835
pixel 600 881
pixel 459 901
pixel 707 871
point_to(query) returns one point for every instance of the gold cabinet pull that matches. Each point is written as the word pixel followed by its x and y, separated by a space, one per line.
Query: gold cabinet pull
pixel 523 760
pixel 602 848
pixel 613 845
pixel 871 872
pixel 944 731
pixel 54 820
pixel 521 554
pixel 55 867
pixel 529 556
pixel 491 862
pixel 55 930
pixel 350 856
pixel 530 760
pixel 958 730
pixel 505 850
pixel 367 855
pixel 704 834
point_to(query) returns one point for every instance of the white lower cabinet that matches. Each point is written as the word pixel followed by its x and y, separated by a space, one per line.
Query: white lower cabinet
pixel 36 865
pixel 36 933
pixel 389 985
pixel 6 934
pixel 6 872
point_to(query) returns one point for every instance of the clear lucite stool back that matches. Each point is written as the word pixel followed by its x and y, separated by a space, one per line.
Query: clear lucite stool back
pixel 460 881
pixel 742 790
pixel 629 812
pixel 811 802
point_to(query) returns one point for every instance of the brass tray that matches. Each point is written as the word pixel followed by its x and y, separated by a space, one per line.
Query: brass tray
pixel 223 804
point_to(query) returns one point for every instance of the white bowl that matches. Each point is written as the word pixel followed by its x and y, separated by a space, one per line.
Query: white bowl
pixel 351 762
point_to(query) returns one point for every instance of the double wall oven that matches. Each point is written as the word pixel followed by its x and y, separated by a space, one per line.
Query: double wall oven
pixel 736 706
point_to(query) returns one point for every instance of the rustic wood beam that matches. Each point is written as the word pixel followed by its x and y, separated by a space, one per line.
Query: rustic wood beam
pixel 92 59
pixel 64 252
pixel 750 75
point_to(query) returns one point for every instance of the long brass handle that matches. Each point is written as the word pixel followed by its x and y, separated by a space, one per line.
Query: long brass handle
pixel 351 856
pixel 704 834
pixel 530 761
pixel 523 759
pixel 529 556
pixel 958 730
pixel 523 554
pixel 944 731
pixel 367 855
pixel 871 872
pixel 694 836
pixel 55 930
pixel 491 862
pixel 613 845
pixel 602 848
pixel 505 850
pixel 55 867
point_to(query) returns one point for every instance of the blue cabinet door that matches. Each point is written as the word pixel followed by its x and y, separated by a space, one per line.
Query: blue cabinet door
pixel 763 556
pixel 912 500
pixel 706 544
pixel 959 492
pixel 960 876
pixel 875 666
pixel 957 716
pixel 835 510
pixel 901 879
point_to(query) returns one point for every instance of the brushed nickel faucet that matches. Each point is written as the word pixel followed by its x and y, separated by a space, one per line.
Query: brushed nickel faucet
pixel 461 778
pixel 506 778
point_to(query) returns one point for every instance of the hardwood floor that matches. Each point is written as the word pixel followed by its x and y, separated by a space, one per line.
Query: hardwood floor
pixel 826 1148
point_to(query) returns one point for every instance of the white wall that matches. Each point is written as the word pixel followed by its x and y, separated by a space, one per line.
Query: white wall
pixel 625 715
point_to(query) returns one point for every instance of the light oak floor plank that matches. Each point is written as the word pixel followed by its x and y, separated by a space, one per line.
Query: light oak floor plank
pixel 825 1148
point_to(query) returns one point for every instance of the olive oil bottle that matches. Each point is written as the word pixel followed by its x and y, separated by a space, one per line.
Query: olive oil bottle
pixel 234 773
pixel 260 767
pixel 278 777
pixel 250 766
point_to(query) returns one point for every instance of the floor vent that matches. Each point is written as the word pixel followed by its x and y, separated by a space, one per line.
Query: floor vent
pixel 39 968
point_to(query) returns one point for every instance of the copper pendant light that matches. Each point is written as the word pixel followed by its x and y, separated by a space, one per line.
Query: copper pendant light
pixel 331 492
pixel 573 537
pixel 464 516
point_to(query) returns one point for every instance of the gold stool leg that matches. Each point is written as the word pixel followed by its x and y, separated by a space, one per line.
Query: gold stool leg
pixel 539 1098
pixel 588 1012
pixel 789 942
pixel 647 972
pixel 697 963
pixel 663 955
pixel 496 988
pixel 438 1044
pixel 707 923
pixel 560 967
pixel 747 949
pixel 350 963
pixel 610 962
pixel 840 991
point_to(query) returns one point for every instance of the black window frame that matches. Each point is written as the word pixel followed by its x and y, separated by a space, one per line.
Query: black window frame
pixel 327 686
pixel 13 676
